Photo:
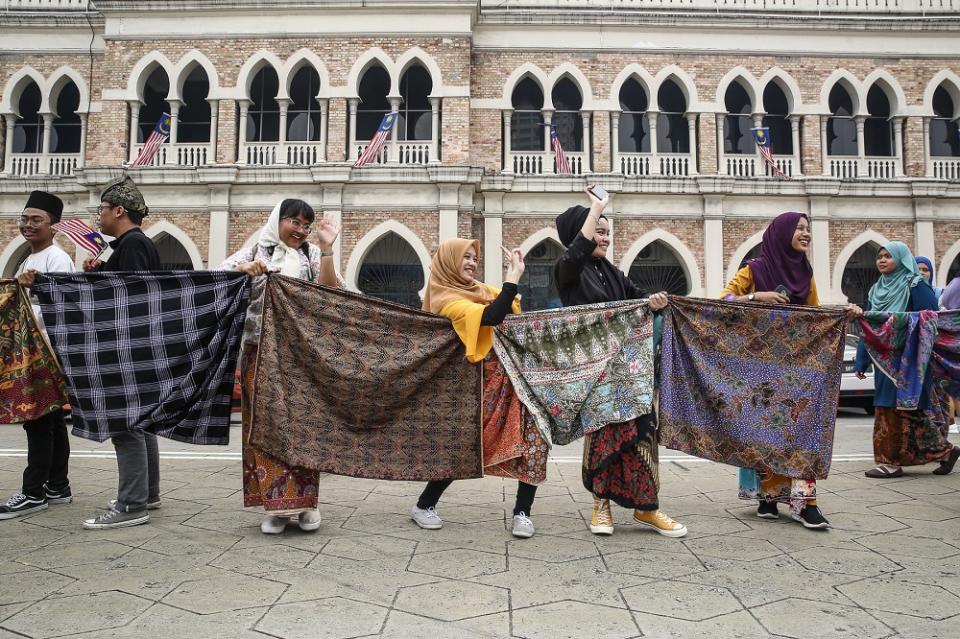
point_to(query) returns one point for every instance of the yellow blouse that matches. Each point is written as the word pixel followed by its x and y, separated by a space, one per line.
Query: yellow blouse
pixel 742 284
pixel 465 316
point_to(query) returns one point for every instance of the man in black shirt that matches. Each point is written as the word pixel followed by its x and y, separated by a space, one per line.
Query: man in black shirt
pixel 122 210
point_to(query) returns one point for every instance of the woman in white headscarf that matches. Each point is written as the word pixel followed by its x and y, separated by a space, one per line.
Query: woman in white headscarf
pixel 282 491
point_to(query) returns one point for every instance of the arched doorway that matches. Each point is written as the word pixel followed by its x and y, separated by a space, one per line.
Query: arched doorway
pixel 173 256
pixel 657 268
pixel 860 274
pixel 391 271
pixel 954 270
pixel 537 287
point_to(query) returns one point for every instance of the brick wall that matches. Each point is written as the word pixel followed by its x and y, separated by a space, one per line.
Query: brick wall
pixel 195 225
pixel 736 232
pixel 913 147
pixel 842 233
pixel 810 145
pixel 356 224
pixel 242 226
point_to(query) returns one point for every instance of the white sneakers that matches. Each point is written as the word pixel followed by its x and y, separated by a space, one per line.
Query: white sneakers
pixel 308 521
pixel 426 518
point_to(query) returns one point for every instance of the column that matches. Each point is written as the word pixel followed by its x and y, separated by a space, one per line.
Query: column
pixel 824 144
pixel 10 120
pixel 547 155
pixel 492 241
pixel 721 160
pixel 134 129
pixel 652 117
pixel 242 134
pixel 214 124
pixel 434 130
pixel 47 135
pixel 587 156
pixel 713 266
pixel 171 158
pixel 81 161
pixel 820 247
pixel 324 122
pixel 925 242
pixel 927 162
pixel 394 142
pixel 692 136
pixel 897 124
pixel 218 237
pixel 759 166
pixel 615 142
pixel 795 143
pixel 284 104
pixel 507 150
pixel 352 137
pixel 861 148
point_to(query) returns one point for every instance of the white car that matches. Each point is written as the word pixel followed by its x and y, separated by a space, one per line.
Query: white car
pixel 855 392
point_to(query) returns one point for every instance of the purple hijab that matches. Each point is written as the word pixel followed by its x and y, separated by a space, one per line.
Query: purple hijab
pixel 950 299
pixel 779 264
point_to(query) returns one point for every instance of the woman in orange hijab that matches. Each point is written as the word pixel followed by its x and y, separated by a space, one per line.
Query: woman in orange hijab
pixel 512 445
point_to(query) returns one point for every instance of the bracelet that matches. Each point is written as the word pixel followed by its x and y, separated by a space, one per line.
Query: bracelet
pixel 322 254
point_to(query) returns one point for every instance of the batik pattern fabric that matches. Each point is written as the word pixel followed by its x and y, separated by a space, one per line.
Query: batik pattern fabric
pixel 796 493
pixel 512 444
pixel 31 384
pixel 369 388
pixel 578 369
pixel 620 463
pixel 754 386
pixel 147 351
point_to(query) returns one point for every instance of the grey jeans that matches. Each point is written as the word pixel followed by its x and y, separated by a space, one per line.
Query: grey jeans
pixel 138 463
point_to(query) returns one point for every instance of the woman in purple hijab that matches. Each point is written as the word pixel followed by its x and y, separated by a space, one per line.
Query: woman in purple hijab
pixel 781 275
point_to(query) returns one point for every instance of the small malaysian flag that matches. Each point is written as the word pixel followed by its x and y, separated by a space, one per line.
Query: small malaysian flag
pixel 376 144
pixel 563 167
pixel 157 137
pixel 82 235
pixel 761 135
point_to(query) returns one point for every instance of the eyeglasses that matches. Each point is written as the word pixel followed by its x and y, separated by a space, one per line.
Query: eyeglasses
pixel 297 225
pixel 106 206
pixel 33 221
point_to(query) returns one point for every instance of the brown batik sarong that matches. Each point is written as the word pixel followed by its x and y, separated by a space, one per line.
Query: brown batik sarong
pixel 909 437
pixel 352 385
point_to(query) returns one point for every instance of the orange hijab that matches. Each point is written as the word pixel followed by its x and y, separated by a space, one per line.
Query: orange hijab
pixel 447 284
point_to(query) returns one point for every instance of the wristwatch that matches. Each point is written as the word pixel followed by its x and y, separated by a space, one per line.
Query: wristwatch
pixel 750 297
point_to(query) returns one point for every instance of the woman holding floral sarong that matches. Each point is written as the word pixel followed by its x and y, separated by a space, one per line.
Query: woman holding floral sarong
pixel 620 461
pixel 282 491
pixel 903 437
pixel 512 444
pixel 781 275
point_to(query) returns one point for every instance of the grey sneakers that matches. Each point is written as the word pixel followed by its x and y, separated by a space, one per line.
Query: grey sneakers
pixel 116 519
pixel 426 518
pixel 522 526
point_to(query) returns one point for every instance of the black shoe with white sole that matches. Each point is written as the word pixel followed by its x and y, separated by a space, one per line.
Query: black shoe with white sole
pixel 20 505
pixel 58 496
pixel 811 517
pixel 767 510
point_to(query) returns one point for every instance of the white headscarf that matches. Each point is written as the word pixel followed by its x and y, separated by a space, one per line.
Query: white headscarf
pixel 286 259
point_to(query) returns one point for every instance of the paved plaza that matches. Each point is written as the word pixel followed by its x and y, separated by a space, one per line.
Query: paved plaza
pixel 890 567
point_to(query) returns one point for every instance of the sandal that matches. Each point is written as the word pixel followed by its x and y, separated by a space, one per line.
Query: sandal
pixel 882 472
pixel 946 466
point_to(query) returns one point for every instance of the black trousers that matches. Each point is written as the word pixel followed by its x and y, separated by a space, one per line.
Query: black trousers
pixel 48 454
pixel 524 503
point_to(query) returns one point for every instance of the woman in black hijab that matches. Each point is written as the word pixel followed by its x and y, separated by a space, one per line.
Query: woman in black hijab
pixel 619 460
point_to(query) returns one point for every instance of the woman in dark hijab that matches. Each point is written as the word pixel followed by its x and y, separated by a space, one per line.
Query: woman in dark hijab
pixel 620 460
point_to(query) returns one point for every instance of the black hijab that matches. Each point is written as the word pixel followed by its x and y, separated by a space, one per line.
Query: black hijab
pixel 599 280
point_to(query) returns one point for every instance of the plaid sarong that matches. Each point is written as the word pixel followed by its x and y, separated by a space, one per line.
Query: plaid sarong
pixel 752 385
pixel 578 369
pixel 147 351
pixel 356 386
pixel 31 384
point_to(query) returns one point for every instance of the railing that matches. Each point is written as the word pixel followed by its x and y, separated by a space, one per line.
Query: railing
pixel 674 164
pixel 737 6
pixel 261 154
pixel 409 152
pixel 28 164
pixel 382 156
pixel 668 164
pixel 192 154
pixel 741 165
pixel 542 163
pixel 785 164
pixel 844 168
pixel 635 163
pixel 44 5
pixel 304 153
pixel 881 168
pixel 946 169
pixel 159 158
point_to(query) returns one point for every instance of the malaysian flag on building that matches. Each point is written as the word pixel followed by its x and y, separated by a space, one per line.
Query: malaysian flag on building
pixel 376 144
pixel 563 167
pixel 761 135
pixel 157 137
pixel 82 235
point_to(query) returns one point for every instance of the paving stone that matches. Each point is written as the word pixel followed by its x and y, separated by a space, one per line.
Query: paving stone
pixel 732 548
pixel 225 592
pixel 375 582
pixel 909 627
pixel 573 620
pixel 892 594
pixel 31 586
pixel 402 625
pixel 365 547
pixel 865 523
pixel 19 535
pixel 551 524
pixel 534 582
pixel 452 600
pixel 165 621
pixel 847 562
pixel 458 564
pixel 546 548
pixel 691 602
pixel 739 625
pixel 333 618
pixel 239 522
pixel 654 564
pixel 187 541
pixel 916 510
pixel 83 613
pixel 59 555
pixel 908 545
pixel 802 619
pixel 485 536
pixel 272 558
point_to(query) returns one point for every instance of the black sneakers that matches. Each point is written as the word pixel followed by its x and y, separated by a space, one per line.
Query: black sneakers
pixel 58 496
pixel 767 510
pixel 20 505
pixel 811 517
